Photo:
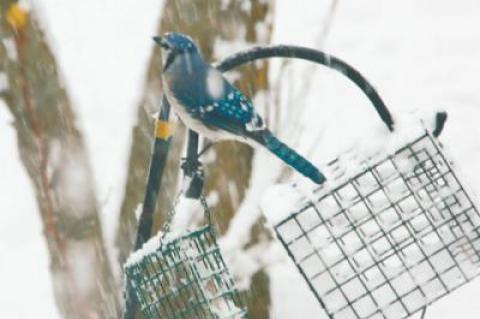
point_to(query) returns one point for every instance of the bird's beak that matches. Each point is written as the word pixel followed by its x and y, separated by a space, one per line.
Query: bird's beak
pixel 161 42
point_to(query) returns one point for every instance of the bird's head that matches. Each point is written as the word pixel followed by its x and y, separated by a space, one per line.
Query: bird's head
pixel 174 45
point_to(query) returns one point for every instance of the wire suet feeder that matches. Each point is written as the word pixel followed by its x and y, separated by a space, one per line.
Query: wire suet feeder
pixel 389 240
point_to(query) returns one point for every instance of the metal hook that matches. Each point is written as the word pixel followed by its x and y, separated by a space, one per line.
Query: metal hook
pixel 194 176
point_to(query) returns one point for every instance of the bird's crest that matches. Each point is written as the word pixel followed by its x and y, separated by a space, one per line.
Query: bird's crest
pixel 177 41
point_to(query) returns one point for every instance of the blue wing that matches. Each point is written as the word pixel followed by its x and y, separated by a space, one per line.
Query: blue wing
pixel 231 112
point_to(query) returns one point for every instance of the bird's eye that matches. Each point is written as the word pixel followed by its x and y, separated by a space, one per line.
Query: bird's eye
pixel 165 45
pixel 162 43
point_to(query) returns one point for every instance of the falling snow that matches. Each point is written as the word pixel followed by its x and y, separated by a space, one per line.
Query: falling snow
pixel 411 69
pixel 215 84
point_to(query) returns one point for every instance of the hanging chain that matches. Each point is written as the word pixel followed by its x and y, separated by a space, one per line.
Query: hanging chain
pixel 169 218
pixel 166 227
pixel 206 211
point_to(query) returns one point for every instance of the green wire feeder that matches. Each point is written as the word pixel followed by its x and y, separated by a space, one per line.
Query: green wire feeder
pixel 183 277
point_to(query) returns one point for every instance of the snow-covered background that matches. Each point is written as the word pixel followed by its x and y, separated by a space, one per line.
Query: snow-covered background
pixel 418 54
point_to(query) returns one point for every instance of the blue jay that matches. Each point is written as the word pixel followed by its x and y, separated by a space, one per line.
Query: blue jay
pixel 208 104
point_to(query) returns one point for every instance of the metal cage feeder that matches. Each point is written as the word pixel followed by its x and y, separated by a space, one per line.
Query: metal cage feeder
pixel 392 237
pixel 184 277
pixel 388 240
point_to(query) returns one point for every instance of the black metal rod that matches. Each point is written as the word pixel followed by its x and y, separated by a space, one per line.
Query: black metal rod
pixel 158 161
pixel 192 169
pixel 288 51
pixel 440 119
pixel 157 165
pixel 192 152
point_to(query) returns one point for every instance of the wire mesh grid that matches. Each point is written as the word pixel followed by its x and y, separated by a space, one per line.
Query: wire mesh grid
pixel 389 240
pixel 186 278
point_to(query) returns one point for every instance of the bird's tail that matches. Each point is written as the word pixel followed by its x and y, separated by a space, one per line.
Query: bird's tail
pixel 289 156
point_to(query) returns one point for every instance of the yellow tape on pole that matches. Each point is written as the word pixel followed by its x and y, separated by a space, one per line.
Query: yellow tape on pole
pixel 163 129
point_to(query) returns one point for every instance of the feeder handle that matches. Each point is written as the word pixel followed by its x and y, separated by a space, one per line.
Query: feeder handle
pixel 290 51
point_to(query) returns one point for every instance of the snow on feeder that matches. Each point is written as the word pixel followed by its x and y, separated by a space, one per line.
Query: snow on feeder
pixel 386 239
pixel 181 274
pixel 183 277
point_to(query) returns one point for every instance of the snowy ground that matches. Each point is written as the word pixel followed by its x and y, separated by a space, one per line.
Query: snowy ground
pixel 416 53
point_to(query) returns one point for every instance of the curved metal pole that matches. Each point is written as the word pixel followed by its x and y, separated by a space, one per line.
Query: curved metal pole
pixel 289 51
pixel 161 145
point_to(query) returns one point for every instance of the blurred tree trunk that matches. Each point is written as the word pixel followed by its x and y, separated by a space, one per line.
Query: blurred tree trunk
pixel 214 25
pixel 52 150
